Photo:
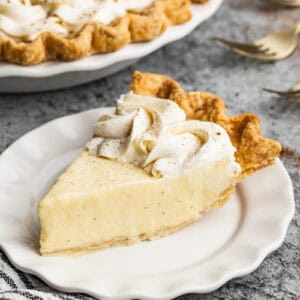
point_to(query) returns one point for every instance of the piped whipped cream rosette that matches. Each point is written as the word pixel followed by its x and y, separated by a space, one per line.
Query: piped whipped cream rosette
pixel 154 135
pixel 25 20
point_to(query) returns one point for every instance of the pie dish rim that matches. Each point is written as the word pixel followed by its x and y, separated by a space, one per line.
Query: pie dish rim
pixel 141 25
pixel 47 70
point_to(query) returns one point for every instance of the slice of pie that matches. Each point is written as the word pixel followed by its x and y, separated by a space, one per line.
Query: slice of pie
pixel 34 31
pixel 154 166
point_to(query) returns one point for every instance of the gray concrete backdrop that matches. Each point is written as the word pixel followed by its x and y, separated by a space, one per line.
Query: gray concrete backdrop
pixel 199 63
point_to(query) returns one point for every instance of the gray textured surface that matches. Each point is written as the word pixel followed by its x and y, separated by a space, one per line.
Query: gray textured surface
pixel 201 64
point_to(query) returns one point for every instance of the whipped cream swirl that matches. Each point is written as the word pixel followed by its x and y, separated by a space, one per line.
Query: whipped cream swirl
pixel 26 19
pixel 154 134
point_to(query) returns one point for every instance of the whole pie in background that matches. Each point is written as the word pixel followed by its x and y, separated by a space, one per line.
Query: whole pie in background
pixel 34 31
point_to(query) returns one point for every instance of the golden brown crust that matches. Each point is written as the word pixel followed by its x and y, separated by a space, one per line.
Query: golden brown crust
pixel 136 26
pixel 253 151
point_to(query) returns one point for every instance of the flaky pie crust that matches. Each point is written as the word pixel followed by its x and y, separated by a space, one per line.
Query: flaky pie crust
pixel 253 151
pixel 136 26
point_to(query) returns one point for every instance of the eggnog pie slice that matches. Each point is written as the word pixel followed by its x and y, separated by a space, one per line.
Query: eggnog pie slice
pixel 147 172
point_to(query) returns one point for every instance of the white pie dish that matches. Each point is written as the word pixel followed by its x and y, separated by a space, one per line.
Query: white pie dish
pixel 224 243
pixel 56 75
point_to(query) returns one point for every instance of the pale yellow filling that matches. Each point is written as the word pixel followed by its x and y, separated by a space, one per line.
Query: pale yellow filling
pixel 99 202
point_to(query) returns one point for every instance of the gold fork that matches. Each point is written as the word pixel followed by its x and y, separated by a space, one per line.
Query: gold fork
pixel 275 46
pixel 292 94
pixel 290 3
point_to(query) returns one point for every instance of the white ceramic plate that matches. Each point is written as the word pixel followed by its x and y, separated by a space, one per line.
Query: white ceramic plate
pixel 224 243
pixel 57 75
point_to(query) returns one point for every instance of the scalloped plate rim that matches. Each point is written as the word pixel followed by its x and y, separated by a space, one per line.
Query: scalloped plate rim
pixel 261 253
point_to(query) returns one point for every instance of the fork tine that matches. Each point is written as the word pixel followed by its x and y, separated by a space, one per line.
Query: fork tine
pixel 249 49
pixel 292 96
pixel 237 44
pixel 241 46
pixel 264 54
pixel 283 93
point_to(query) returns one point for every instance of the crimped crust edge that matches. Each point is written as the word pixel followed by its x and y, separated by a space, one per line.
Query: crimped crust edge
pixel 253 150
